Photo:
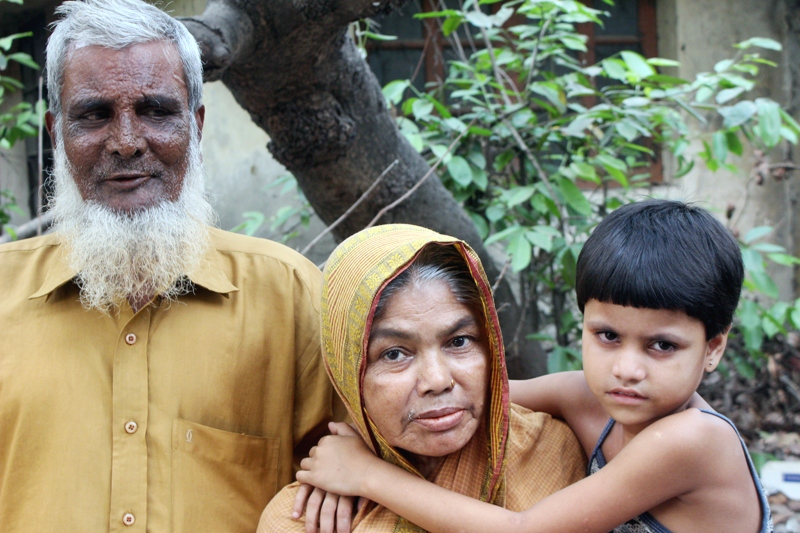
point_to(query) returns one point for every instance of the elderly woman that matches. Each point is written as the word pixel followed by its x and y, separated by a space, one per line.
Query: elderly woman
pixel 413 346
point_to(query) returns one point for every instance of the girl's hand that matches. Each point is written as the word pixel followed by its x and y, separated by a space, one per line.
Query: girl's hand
pixel 339 463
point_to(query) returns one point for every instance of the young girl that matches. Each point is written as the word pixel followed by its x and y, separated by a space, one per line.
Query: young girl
pixel 658 283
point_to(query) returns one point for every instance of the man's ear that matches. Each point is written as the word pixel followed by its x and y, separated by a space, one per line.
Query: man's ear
pixel 50 123
pixel 715 348
pixel 200 116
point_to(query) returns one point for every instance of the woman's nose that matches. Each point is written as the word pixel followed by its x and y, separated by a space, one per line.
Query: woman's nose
pixel 435 375
pixel 628 366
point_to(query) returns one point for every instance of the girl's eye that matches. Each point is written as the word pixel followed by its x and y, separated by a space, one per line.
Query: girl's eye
pixel 663 346
pixel 607 336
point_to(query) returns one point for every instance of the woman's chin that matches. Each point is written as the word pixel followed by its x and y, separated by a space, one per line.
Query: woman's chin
pixel 440 438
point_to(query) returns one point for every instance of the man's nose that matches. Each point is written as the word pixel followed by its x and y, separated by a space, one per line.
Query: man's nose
pixel 629 366
pixel 126 138
pixel 435 375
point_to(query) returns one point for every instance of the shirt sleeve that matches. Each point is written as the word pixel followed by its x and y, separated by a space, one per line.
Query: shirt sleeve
pixel 315 402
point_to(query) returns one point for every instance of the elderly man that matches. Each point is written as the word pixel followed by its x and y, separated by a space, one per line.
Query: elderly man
pixel 156 374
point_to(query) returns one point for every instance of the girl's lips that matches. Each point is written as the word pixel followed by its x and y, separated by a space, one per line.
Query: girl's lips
pixel 626 396
pixel 440 419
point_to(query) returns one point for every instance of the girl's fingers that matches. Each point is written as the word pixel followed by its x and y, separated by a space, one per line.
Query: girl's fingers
pixel 300 500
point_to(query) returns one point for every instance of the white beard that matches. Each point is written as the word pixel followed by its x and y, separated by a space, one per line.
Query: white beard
pixel 132 256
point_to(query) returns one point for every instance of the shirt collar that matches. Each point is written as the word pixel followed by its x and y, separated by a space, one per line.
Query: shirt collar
pixel 208 275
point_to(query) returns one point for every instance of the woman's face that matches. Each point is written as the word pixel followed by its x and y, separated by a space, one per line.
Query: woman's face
pixel 427 371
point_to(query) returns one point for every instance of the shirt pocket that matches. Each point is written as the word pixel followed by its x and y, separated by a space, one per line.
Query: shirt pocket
pixel 221 481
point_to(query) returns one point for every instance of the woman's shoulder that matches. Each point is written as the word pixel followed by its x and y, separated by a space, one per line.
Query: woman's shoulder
pixel 543 456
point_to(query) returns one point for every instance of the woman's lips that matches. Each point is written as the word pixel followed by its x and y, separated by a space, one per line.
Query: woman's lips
pixel 440 419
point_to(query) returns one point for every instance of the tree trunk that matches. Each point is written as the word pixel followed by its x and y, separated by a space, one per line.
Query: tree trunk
pixel 292 66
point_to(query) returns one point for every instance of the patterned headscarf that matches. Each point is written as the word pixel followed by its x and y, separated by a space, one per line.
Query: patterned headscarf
pixel 355 275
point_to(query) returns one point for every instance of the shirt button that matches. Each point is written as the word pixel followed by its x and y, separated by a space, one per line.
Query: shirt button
pixel 131 427
pixel 130 338
pixel 128 519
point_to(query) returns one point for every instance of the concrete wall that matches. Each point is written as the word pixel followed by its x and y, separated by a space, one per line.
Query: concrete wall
pixel 698 33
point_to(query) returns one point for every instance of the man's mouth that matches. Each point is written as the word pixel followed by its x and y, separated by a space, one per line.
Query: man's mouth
pixel 440 419
pixel 127 181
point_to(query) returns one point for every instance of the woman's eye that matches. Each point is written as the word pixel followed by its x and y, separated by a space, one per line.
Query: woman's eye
pixel 460 342
pixel 393 355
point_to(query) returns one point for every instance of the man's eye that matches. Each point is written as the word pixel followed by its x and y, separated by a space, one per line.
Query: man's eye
pixel 94 116
pixel 155 112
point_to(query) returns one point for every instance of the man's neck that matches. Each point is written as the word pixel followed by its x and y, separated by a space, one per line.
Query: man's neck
pixel 138 303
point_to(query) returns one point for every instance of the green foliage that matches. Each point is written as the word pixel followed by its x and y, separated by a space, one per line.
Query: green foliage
pixel 552 145
pixel 18 122
pixel 286 223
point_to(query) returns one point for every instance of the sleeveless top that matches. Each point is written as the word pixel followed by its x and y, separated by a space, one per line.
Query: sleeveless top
pixel 645 522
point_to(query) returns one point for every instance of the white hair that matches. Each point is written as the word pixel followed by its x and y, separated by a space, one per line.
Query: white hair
pixel 134 255
pixel 118 24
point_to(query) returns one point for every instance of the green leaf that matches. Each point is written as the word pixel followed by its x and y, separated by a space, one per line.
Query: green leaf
pixel 663 79
pixel 24 59
pixel 436 14
pixel 627 130
pixel 520 250
pixel 727 95
pixel 585 171
pixel 757 233
pixel 636 101
pixel 459 169
pixel 393 91
pixel 421 109
pixel 769 121
pixel 480 225
pixel 479 178
pixel 719 143
pixel 784 259
pixel 615 69
pixel 540 239
pixel 495 212
pixel 738 114
pixel 733 142
pixel 451 24
pixel 790 122
pixel 5 42
pixel 440 151
pixel 517 195
pixel 574 197
pixel 479 19
pixel 761 42
pixel 379 36
pixel 637 64
pixel 662 62
pixel 764 284
pixel 749 314
pixel 723 65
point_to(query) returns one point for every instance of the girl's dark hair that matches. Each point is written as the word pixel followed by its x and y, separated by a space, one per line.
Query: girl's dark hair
pixel 661 254
pixel 436 262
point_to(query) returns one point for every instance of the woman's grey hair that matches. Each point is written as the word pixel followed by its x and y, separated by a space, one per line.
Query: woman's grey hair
pixel 118 24
pixel 436 262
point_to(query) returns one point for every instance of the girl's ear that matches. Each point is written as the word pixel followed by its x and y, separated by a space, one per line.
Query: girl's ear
pixel 715 348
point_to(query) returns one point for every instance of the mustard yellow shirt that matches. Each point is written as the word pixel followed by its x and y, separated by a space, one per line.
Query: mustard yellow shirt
pixel 182 417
